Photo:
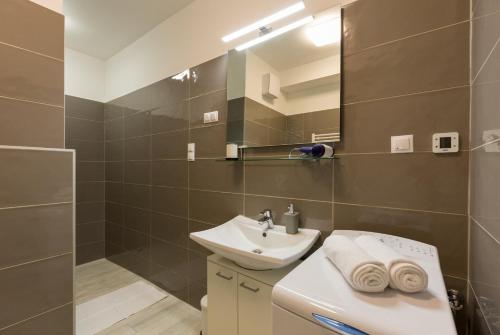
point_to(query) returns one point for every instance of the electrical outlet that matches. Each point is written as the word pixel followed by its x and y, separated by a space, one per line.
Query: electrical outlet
pixel 210 117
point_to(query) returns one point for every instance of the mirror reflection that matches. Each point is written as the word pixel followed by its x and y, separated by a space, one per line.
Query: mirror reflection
pixel 286 90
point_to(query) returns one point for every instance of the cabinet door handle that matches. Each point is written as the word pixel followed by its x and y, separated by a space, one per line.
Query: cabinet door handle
pixel 219 274
pixel 254 290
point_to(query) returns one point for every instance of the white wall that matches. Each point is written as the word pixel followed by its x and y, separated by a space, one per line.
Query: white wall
pixel 55 5
pixel 188 38
pixel 84 76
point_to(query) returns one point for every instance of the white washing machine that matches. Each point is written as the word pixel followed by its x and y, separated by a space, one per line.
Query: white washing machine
pixel 314 299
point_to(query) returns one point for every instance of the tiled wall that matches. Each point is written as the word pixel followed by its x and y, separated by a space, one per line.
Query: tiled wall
pixel 85 134
pixel 36 185
pixel 485 169
pixel 405 72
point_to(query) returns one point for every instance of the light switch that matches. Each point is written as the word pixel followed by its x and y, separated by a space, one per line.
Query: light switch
pixel 402 144
pixel 190 153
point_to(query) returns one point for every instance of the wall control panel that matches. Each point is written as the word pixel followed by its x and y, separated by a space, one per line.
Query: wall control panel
pixel 445 143
pixel 401 144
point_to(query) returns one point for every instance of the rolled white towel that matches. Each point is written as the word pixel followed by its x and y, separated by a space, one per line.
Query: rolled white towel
pixel 362 271
pixel 405 274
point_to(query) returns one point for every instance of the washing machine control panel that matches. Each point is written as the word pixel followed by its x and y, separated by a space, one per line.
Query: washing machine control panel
pixel 402 245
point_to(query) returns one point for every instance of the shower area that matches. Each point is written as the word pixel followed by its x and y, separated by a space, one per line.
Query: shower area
pixel 133 217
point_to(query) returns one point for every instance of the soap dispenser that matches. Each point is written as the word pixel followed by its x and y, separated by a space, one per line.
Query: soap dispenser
pixel 290 220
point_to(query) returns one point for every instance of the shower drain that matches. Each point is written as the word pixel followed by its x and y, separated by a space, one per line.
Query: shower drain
pixel 257 251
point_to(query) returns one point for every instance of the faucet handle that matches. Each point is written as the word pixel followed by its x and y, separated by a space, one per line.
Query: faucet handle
pixel 267 212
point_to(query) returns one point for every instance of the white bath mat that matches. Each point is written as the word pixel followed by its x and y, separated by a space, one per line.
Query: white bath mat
pixel 102 312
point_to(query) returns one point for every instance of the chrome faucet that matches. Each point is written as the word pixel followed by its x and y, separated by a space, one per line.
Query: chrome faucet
pixel 266 216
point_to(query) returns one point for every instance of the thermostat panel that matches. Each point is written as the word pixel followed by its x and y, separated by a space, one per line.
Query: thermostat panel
pixel 445 142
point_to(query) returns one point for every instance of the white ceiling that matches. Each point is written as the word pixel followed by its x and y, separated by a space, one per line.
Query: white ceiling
pixel 101 28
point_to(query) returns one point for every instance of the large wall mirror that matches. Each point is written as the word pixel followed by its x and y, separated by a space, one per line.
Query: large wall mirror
pixel 286 90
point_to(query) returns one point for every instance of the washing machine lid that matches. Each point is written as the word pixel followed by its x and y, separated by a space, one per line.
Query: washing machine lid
pixel 317 291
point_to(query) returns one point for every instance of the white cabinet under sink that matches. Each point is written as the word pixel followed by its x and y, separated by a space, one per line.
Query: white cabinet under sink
pixel 239 300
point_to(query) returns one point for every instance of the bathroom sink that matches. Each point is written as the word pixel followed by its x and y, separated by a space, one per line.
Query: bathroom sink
pixel 244 241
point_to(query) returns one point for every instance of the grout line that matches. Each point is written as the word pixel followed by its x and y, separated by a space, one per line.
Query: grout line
pixel 486 144
pixel 407 37
pixel 83 119
pixel 389 153
pixel 33 52
pixel 20 148
pixel 399 209
pixel 405 95
pixel 37 205
pixel 36 261
pixel 31 102
pixel 486 60
pixel 90 243
pixel 485 230
pixel 36 316
pixel 287 198
pixel 90 222
pixel 207 93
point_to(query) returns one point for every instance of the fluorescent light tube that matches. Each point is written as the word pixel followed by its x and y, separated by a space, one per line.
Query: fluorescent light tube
pixel 275 33
pixel 265 21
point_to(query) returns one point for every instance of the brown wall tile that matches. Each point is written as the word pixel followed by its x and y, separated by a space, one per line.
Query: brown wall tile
pixel 33 78
pixel 172 173
pixel 208 77
pixel 79 129
pixel 23 23
pixel 89 212
pixel 301 180
pixel 216 101
pixel 485 32
pixel 426 62
pixel 410 181
pixel 56 322
pixel 210 141
pixel 29 124
pixel 485 273
pixel 171 145
pixel 170 118
pixel 214 207
pixel 84 108
pixel 172 201
pixel 432 228
pixel 89 252
pixel 208 174
pixel 89 233
pixel 50 182
pixel 35 233
pixel 34 288
pixel 369 23
pixel 485 189
pixel 369 126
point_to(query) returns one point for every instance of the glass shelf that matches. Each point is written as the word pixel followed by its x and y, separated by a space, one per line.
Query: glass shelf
pixel 275 158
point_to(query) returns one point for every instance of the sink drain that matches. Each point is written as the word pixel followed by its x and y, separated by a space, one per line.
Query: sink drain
pixel 257 251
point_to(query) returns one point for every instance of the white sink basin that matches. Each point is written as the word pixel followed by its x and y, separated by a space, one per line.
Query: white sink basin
pixel 241 240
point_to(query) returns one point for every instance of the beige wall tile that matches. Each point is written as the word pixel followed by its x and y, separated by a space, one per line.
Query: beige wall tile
pixel 35 177
pixel 29 124
pixel 35 233
pixel 57 322
pixel 34 288
pixel 33 27
pixel 28 76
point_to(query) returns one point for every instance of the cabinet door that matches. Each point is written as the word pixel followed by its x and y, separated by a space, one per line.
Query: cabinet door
pixel 254 307
pixel 222 300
